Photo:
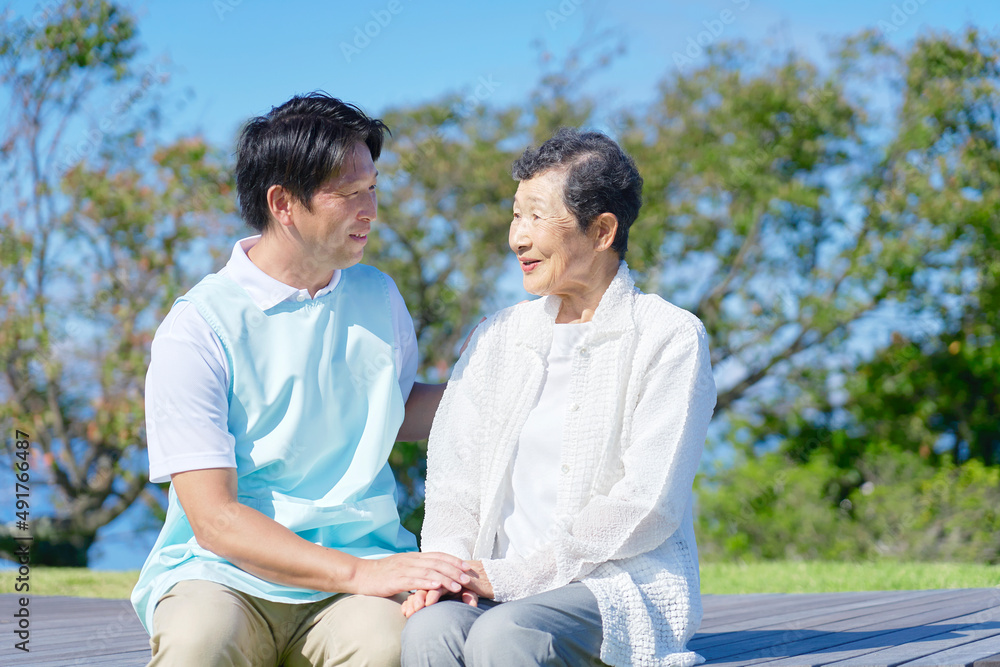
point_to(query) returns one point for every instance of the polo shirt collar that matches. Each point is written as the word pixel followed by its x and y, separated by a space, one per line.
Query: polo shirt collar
pixel 265 291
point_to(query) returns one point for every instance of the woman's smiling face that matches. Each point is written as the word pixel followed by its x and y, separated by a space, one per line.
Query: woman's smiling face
pixel 556 257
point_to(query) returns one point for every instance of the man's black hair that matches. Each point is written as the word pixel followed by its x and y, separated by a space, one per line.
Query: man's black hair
pixel 298 146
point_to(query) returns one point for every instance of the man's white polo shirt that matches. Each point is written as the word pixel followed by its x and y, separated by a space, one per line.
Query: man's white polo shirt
pixel 187 385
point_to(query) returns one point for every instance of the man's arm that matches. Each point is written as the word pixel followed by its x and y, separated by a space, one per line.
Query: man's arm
pixel 261 546
pixel 423 402
pixel 420 409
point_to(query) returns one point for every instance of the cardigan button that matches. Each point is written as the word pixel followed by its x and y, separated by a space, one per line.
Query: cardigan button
pixel 565 468
pixel 574 407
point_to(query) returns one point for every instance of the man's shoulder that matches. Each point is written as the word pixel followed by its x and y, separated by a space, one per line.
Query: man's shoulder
pixel 365 271
pixel 367 276
pixel 210 284
pixel 186 317
pixel 182 320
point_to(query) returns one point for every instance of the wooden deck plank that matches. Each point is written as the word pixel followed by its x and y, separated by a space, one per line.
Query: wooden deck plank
pixel 43 645
pixel 809 620
pixel 77 631
pixel 938 636
pixel 892 646
pixel 128 659
pixel 964 655
pixel 921 648
pixel 749 615
pixel 724 603
pixel 800 611
pixel 815 639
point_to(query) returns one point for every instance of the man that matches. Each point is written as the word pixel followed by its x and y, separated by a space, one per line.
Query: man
pixel 275 391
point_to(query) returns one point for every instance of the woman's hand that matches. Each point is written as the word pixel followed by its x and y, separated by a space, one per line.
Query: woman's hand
pixel 480 584
pixel 420 599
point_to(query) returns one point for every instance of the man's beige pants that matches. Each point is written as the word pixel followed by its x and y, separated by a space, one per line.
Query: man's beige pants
pixel 201 623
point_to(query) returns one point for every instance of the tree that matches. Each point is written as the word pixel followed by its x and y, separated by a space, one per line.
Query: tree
pixel 785 216
pixel 782 205
pixel 900 448
pixel 933 200
pixel 99 237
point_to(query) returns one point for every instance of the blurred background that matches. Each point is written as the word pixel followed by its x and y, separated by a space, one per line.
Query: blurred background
pixel 822 188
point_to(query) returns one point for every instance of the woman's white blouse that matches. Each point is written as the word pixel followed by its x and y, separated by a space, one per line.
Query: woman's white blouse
pixel 530 496
pixel 641 395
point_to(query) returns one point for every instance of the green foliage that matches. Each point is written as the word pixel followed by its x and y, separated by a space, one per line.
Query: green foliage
pixel 892 455
pixel 444 207
pixel 912 511
pixel 97 244
pixel 915 398
pixel 771 508
pixel 890 504
pixel 782 206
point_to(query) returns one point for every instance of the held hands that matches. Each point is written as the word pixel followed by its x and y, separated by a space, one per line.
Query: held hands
pixel 420 599
pixel 480 583
pixel 477 586
pixel 409 571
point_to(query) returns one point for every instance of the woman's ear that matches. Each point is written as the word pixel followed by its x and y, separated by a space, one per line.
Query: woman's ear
pixel 604 228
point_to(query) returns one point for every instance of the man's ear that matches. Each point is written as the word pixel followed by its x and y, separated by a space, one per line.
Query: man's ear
pixel 604 228
pixel 279 203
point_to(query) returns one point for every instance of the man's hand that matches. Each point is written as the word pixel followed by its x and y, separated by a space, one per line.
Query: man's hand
pixel 469 337
pixel 409 571
pixel 480 583
pixel 420 599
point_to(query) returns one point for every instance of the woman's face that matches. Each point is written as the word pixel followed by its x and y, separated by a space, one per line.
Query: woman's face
pixel 555 256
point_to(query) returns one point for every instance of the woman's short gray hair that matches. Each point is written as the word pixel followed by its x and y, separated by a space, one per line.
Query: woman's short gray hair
pixel 601 178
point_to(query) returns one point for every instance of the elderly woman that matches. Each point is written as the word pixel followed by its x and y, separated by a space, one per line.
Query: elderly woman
pixel 562 454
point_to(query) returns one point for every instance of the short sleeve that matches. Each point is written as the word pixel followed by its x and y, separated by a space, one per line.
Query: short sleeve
pixel 187 397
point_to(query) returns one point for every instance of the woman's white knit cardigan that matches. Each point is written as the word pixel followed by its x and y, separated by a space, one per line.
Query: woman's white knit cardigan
pixel 641 397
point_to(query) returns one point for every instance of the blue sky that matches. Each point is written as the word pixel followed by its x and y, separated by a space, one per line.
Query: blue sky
pixel 240 57
pixel 231 59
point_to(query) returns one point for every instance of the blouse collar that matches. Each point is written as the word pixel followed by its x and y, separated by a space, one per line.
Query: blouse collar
pixel 612 318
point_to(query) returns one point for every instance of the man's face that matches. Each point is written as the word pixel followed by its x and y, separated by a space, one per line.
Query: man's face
pixel 343 209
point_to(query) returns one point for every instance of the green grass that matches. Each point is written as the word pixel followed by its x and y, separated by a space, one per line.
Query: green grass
pixel 832 577
pixel 765 577
pixel 73 581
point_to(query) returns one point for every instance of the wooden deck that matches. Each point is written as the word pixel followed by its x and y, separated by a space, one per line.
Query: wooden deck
pixel 911 628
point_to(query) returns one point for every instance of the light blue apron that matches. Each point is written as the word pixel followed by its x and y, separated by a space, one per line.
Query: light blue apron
pixel 314 406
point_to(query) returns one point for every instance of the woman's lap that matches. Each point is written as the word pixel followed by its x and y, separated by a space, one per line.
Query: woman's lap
pixel 559 627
